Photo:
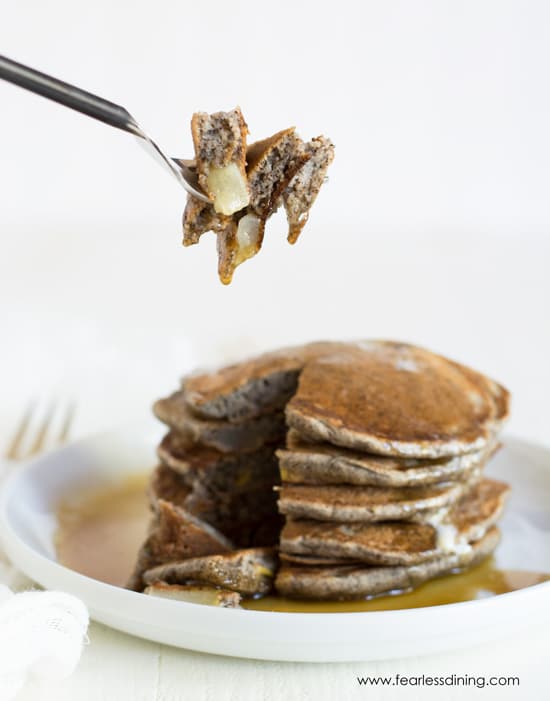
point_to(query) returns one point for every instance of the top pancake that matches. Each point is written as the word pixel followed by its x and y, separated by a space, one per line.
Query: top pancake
pixel 379 397
pixel 253 387
pixel 396 399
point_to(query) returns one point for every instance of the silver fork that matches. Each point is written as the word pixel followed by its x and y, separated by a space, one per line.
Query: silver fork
pixel 27 442
pixel 101 109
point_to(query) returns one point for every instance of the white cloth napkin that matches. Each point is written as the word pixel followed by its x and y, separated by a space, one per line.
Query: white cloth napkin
pixel 41 632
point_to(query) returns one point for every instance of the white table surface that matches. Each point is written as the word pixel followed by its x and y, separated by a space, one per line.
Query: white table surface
pixel 441 237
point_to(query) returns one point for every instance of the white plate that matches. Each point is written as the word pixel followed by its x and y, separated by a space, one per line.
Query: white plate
pixel 27 525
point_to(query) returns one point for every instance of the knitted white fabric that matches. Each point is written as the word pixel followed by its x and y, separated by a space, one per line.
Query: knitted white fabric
pixel 41 632
pixel 41 637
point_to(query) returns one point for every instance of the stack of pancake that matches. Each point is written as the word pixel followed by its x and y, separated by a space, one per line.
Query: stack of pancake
pixel 228 469
pixel 212 493
pixel 382 473
pixel 380 448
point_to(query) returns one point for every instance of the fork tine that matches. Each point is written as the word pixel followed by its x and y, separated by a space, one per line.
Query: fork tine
pixel 13 451
pixel 67 423
pixel 40 440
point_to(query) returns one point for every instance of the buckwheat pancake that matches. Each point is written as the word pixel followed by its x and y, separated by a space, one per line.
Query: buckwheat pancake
pixel 396 399
pixel 355 582
pixel 316 561
pixel 238 237
pixel 248 572
pixel 235 246
pixel 220 157
pixel 195 594
pixel 227 437
pixel 168 485
pixel 175 534
pixel 304 187
pixel 348 503
pixel 198 218
pixel 499 394
pixel 244 513
pixel 304 462
pixel 242 516
pixel 271 164
pixel 400 542
pixel 221 471
pixel 479 509
pixel 280 169
pixel 256 386
pixel 246 185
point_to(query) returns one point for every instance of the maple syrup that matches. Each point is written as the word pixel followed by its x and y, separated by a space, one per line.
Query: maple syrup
pixel 99 533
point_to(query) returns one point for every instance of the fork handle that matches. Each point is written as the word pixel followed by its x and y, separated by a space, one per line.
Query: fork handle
pixel 68 95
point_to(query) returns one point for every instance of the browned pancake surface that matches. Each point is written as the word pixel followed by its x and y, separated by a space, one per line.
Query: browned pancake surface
pixel 175 534
pixel 212 394
pixel 249 571
pixel 393 399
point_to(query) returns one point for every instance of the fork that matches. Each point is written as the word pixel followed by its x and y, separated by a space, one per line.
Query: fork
pixel 101 109
pixel 44 434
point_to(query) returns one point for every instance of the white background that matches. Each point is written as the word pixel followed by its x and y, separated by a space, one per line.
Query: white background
pixel 434 227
